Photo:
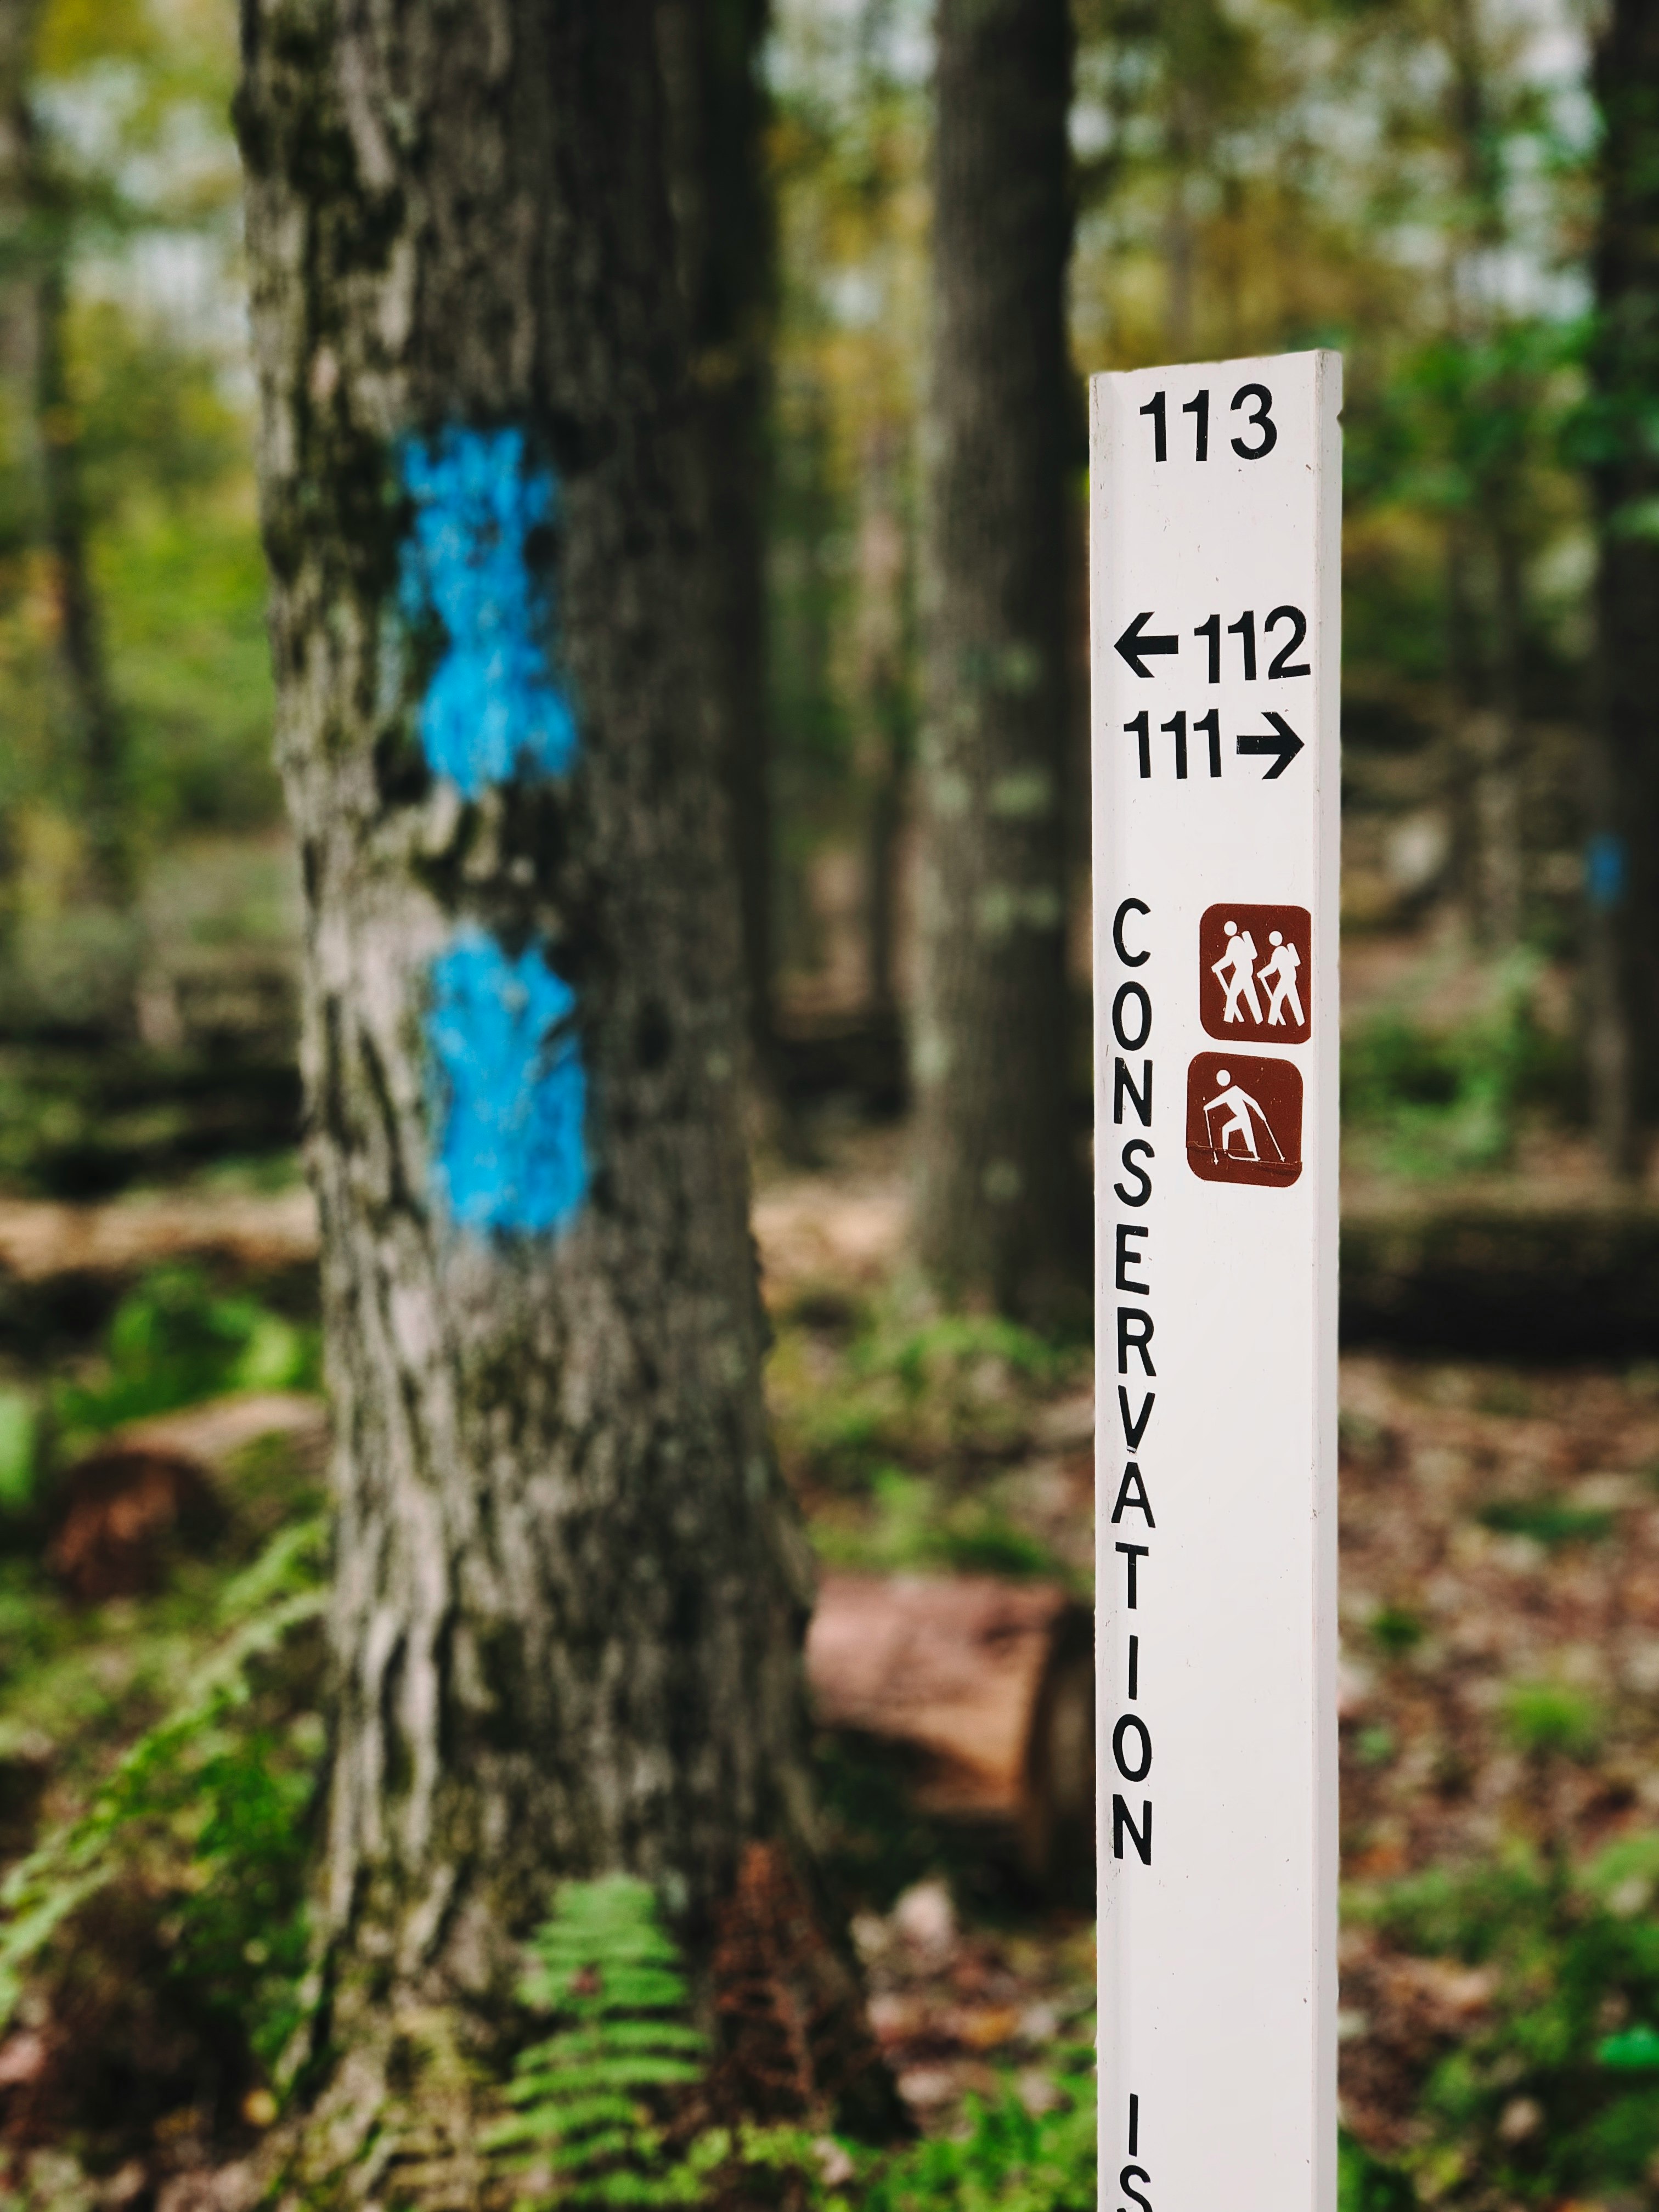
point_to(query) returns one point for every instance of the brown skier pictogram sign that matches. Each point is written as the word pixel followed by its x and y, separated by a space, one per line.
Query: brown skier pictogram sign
pixel 1245 1119
pixel 1255 973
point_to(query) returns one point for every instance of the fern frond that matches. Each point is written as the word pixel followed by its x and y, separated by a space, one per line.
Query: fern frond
pixel 586 2095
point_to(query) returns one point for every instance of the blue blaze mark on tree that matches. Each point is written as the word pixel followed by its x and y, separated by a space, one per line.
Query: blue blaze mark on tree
pixel 494 704
pixel 511 1090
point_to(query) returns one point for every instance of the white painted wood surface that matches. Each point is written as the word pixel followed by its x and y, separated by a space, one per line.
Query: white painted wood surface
pixel 1217 1233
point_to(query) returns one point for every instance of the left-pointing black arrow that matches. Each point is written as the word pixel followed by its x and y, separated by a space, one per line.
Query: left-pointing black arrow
pixel 1133 644
pixel 1284 745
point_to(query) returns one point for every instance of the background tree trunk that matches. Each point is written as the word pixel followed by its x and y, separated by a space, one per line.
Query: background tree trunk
pixel 717 109
pixel 570 1590
pixel 1622 867
pixel 32 355
pixel 885 696
pixel 998 1206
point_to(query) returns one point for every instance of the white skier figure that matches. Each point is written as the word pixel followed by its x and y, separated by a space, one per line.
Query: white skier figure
pixel 1280 973
pixel 1241 1105
pixel 1235 972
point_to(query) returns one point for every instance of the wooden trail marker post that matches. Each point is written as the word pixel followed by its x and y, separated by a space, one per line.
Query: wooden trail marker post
pixel 1215 524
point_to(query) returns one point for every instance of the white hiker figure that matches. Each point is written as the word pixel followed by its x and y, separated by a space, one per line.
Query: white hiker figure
pixel 1241 1105
pixel 1280 973
pixel 1235 972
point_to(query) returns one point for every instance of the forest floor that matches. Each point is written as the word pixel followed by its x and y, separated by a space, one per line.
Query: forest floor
pixel 1500 1708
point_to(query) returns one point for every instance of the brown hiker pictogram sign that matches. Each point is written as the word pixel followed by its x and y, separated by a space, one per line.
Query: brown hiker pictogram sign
pixel 1255 973
pixel 1245 1119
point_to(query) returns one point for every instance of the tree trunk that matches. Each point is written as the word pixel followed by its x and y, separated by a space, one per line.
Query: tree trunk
pixel 886 707
pixel 569 1588
pixel 998 1199
pixel 716 114
pixel 31 347
pixel 1622 862
pixel 95 717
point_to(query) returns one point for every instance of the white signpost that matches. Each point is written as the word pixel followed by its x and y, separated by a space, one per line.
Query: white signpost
pixel 1215 524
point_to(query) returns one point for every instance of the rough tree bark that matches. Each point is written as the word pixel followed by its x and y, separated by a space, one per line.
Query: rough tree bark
pixel 716 116
pixel 998 1206
pixel 1622 865
pixel 569 1588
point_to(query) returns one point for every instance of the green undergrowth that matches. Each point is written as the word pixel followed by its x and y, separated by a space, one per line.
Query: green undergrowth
pixel 859 1386
pixel 175 1340
pixel 202 1821
pixel 1551 1522
pixel 1552 2092
pixel 899 1429
pixel 909 1521
pixel 1428 1102
pixel 603 2111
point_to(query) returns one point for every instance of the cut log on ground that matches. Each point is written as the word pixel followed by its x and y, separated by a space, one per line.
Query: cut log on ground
pixel 152 1488
pixel 1503 1278
pixel 990 1684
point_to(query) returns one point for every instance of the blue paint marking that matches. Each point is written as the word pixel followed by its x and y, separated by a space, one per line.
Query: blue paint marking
pixel 512 1092
pixel 494 705
pixel 1604 870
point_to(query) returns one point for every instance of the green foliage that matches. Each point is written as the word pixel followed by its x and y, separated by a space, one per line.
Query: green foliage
pixel 1541 1717
pixel 17 1450
pixel 912 1526
pixel 591 2101
pixel 1434 1103
pixel 174 1340
pixel 1010 2159
pixel 1548 1521
pixel 1396 1629
pixel 948 1388
pixel 588 2101
pixel 207 1806
pixel 1552 2095
pixel 1366 2183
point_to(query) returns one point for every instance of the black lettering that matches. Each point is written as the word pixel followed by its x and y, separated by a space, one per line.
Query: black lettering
pixel 1129 959
pixel 1176 727
pixel 1283 665
pixel 1134 1333
pixel 1134 2123
pixel 1143 1752
pixel 1141 731
pixel 1154 407
pixel 1134 1687
pixel 1134 1554
pixel 1260 418
pixel 1132 1166
pixel 1138 2171
pixel 1128 1257
pixel 1132 991
pixel 1211 725
pixel 1200 406
pixel 1141 1838
pixel 1133 1431
pixel 1131 1496
pixel 1123 1086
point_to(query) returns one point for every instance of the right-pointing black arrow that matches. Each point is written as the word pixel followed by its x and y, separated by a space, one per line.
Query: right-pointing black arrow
pixel 1282 742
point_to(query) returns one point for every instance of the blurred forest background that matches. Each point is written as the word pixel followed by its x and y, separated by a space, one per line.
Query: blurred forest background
pixel 1410 180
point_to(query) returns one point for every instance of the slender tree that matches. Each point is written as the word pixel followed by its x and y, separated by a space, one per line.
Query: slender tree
pixel 998 1209
pixel 569 1588
pixel 1622 872
pixel 37 213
